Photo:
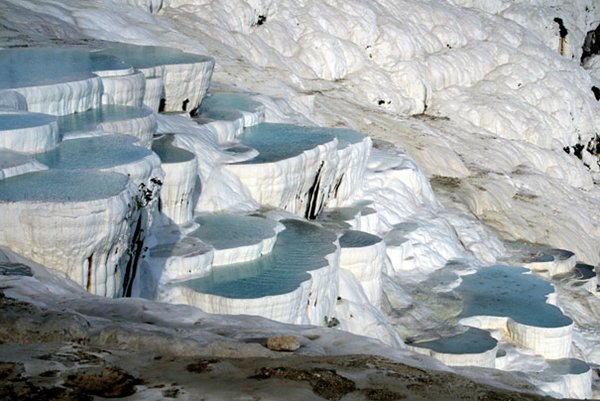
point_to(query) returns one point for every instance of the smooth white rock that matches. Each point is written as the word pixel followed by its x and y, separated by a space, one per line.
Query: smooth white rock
pixel 126 90
pixel 31 133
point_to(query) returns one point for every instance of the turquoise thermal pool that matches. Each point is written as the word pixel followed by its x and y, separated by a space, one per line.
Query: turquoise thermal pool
pixel 151 56
pixel 227 231
pixel 300 248
pixel 23 67
pixel 507 291
pixel 472 341
pixel 62 186
pixel 168 153
pixel 276 142
pixel 89 120
pixel 230 101
pixel 96 152
pixel 20 120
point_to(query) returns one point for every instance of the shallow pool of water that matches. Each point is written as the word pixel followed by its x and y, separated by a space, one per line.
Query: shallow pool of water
pixel 301 247
pixel 96 152
pixel 508 291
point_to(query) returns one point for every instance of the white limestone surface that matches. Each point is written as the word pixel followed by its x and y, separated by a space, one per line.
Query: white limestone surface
pixel 22 131
pixel 154 91
pixel 226 131
pixel 355 313
pixel 526 317
pixel 139 122
pixel 126 90
pixel 296 283
pixel 252 111
pixel 184 259
pixel 364 256
pixel 566 377
pixel 72 221
pixel 552 262
pixel 302 165
pixel 551 342
pixel 185 76
pixel 179 185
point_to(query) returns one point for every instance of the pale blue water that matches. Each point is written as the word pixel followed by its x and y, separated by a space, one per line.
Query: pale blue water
pixel 88 120
pixel 208 115
pixel 568 366
pixel 506 291
pixel 226 101
pixel 168 153
pixel 301 247
pixel 62 186
pixel 8 158
pixel 227 231
pixel 96 152
pixel 22 67
pixel 472 341
pixel 276 142
pixel 358 239
pixel 152 56
pixel 11 121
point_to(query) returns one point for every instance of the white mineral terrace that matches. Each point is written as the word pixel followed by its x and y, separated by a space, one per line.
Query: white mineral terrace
pixel 474 347
pixel 305 167
pixel 181 176
pixel 295 283
pixel 27 132
pixel 72 221
pixel 551 262
pixel 226 124
pixel 127 206
pixel 175 260
pixel 116 152
pixel 506 299
pixel 363 254
pixel 177 79
pixel 567 377
pixel 252 111
pixel 136 121
pixel 56 81
pixel 237 239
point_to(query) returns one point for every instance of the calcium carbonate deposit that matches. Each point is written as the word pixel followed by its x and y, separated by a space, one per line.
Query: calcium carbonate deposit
pixel 422 173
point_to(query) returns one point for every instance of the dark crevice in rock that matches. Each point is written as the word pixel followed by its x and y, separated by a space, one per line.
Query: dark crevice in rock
pixel 312 207
pixel 591 44
pixel 136 247
pixel 90 265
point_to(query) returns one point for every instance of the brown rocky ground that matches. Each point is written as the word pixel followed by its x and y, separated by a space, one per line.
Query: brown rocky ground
pixel 49 354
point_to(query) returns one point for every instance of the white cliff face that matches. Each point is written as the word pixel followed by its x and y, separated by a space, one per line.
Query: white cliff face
pixel 304 177
pixel 363 255
pixel 126 90
pixel 73 222
pixel 179 185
